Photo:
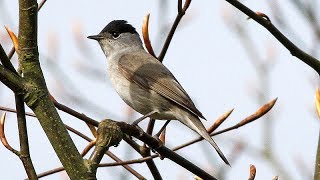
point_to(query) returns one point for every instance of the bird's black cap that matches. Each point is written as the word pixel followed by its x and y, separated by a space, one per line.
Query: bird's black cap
pixel 119 26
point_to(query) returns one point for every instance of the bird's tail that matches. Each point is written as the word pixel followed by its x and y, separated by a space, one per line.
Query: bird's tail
pixel 195 124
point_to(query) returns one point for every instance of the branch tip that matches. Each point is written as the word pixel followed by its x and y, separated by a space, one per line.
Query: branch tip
pixel 252 174
pixel 13 37
pixel 163 136
pixel 259 113
pixel 317 102
pixel 219 121
pixel 145 35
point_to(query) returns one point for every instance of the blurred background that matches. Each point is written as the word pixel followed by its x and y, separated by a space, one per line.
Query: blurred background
pixel 221 58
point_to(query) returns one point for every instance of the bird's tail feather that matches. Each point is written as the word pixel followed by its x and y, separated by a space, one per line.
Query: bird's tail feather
pixel 196 125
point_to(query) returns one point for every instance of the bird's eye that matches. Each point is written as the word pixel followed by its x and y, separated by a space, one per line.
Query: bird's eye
pixel 115 35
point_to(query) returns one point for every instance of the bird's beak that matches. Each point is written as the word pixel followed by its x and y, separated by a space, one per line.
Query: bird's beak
pixel 95 37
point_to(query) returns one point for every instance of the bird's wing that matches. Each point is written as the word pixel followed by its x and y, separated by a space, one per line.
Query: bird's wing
pixel 149 73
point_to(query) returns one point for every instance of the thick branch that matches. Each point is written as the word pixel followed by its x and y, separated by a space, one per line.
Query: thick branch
pixel 11 80
pixel 109 134
pixel 37 97
pixel 5 60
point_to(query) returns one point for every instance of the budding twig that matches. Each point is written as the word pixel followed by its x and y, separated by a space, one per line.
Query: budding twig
pixel 259 113
pixel 219 121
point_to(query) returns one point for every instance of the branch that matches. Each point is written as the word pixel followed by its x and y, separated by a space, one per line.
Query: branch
pixel 12 51
pixel 23 137
pixel 108 134
pixel 162 150
pixel 5 60
pixel 11 80
pixel 37 97
pixel 259 113
pixel 24 154
pixel 110 154
pixel 181 12
pixel 294 50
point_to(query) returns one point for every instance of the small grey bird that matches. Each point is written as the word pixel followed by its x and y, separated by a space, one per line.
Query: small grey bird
pixel 144 83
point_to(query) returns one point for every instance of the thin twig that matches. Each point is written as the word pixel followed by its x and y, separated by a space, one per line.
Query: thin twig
pixel 110 154
pixel 156 145
pixel 259 113
pixel 294 50
pixel 23 138
pixel 88 148
pixel 181 12
pixel 134 161
pixel 145 152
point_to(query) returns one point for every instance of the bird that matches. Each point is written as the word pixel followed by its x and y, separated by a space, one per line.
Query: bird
pixel 144 83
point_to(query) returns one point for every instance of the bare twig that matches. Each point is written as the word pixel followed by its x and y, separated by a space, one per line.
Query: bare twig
pixel 23 138
pixel 181 12
pixel 21 118
pixel 145 152
pixel 14 111
pixel 81 116
pixel 88 148
pixel 140 160
pixel 162 150
pixel 52 171
pixel 294 50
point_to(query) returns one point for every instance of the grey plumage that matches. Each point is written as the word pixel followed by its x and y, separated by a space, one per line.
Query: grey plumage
pixel 144 83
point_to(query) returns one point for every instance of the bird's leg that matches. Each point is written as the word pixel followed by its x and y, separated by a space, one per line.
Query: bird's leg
pixel 163 127
pixel 136 122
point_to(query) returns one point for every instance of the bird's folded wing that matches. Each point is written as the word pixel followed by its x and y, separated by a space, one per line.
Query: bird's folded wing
pixel 151 74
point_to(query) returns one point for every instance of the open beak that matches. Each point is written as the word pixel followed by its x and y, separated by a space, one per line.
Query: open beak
pixel 95 37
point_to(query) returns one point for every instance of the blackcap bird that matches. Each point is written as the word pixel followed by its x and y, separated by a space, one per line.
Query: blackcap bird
pixel 144 83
